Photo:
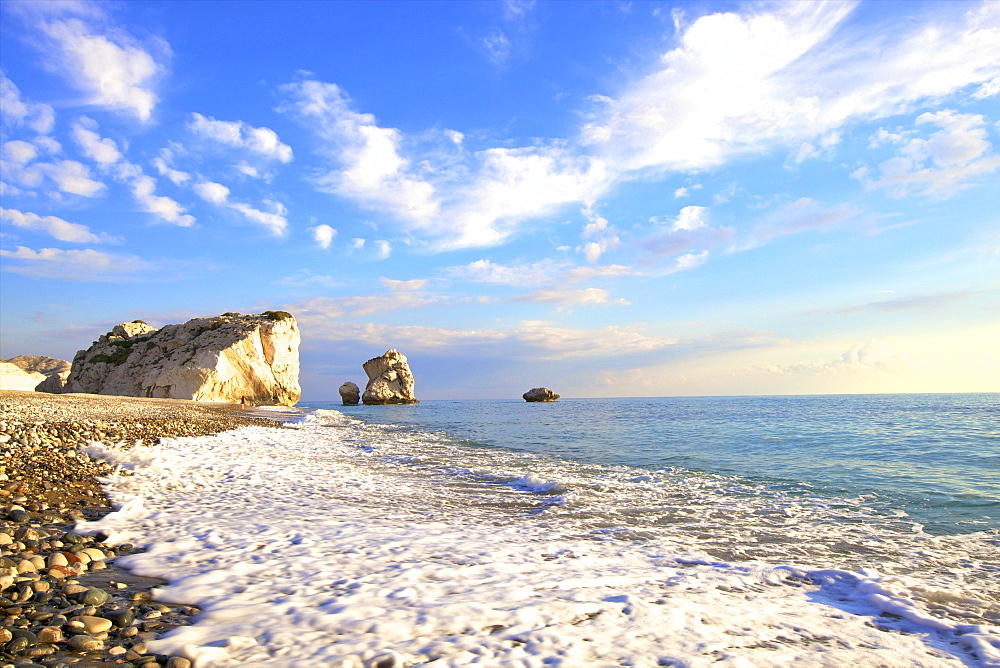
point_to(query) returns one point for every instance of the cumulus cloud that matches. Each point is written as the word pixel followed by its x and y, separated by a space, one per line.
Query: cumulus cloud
pixel 57 228
pixel 210 191
pixel 263 142
pixel 83 265
pixel 110 67
pixel 323 235
pixel 72 177
pixel 940 164
pixel 603 236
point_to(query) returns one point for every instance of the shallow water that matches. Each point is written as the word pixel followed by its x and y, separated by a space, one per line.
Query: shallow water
pixel 747 531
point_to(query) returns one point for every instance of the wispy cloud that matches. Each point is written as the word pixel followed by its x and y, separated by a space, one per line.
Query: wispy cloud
pixel 566 296
pixel 57 228
pixel 782 75
pixel 78 265
pixel 19 112
pixel 876 355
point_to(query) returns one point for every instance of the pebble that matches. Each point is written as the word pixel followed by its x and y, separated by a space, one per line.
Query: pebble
pixel 46 486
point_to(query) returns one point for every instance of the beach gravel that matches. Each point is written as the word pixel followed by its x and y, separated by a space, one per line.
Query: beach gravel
pixel 62 600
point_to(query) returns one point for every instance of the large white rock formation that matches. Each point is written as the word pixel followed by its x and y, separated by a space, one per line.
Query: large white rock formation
pixel 251 359
pixel 13 377
pixel 389 380
pixel 53 373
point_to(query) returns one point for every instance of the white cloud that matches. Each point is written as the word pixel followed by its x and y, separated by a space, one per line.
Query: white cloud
pixel 210 191
pixel 988 89
pixel 18 153
pixel 112 69
pixel 72 177
pixel 876 355
pixel 103 151
pixel 323 235
pixel 605 237
pixel 487 271
pixel 55 227
pixel 405 286
pixel 357 244
pixel 85 265
pixel 164 207
pixel 372 172
pixel 262 141
pixel 564 296
pixel 943 162
pixel 17 112
pixel 532 340
pixel 383 249
pixel 178 178
pixel 276 220
pixel 486 200
pixel 691 218
pixel 785 75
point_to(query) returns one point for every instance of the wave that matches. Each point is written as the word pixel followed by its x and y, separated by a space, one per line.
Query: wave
pixel 358 544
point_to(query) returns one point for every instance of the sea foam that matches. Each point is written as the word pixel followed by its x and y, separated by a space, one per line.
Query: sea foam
pixel 343 544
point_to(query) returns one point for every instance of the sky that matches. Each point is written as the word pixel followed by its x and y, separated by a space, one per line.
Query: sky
pixel 604 198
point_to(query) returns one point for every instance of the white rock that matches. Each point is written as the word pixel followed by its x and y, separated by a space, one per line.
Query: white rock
pixel 389 380
pixel 13 377
pixel 251 359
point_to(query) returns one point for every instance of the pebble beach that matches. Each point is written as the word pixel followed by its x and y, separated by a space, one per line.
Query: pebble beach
pixel 63 602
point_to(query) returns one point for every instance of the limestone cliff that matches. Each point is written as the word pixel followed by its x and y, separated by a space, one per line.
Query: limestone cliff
pixel 53 371
pixel 13 377
pixel 251 359
pixel 389 380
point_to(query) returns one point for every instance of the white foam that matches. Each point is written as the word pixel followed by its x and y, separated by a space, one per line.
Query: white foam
pixel 322 545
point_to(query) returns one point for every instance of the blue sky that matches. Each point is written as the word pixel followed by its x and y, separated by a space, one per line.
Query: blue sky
pixel 605 198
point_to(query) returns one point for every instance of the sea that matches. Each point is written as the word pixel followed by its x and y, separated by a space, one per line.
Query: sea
pixel 831 530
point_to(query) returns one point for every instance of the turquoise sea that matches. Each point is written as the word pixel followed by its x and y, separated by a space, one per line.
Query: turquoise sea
pixel 687 532
pixel 933 459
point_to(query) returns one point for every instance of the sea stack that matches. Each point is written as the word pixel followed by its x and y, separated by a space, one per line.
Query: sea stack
pixel 540 394
pixel 389 380
pixel 248 359
pixel 350 394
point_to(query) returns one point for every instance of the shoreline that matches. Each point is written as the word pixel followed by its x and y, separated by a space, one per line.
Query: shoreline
pixel 62 599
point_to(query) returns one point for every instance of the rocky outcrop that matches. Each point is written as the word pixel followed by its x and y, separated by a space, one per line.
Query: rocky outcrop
pixel 350 394
pixel 54 373
pixel 389 380
pixel 540 394
pixel 13 377
pixel 252 359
